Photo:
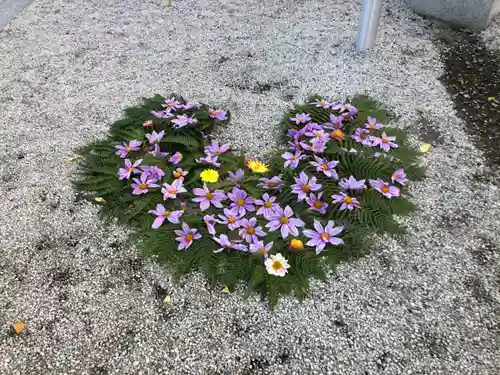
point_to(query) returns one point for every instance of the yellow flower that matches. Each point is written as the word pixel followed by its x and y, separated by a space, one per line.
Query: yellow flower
pixel 257 166
pixel 209 175
pixel 296 244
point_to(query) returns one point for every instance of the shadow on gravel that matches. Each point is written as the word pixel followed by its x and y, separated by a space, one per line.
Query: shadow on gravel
pixel 472 78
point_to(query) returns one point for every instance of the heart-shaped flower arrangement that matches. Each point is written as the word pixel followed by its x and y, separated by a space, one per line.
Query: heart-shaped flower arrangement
pixel 195 203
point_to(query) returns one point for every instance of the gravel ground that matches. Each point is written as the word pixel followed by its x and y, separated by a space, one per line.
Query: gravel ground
pixel 430 305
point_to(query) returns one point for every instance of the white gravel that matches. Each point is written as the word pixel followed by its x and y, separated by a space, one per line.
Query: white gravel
pixel 429 305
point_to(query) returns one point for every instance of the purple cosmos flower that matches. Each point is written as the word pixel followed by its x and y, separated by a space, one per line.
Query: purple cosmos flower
pixel 186 236
pixel 273 183
pixel 316 204
pixel 260 248
pixel 323 103
pixel 320 237
pixel 346 202
pixel 155 137
pixel 191 105
pixel 237 177
pixel 301 118
pixel 292 160
pixel 142 184
pixel 385 142
pixel 319 136
pixel 325 166
pixel 309 128
pixel 363 136
pixel 283 220
pixel 218 114
pixel 224 241
pixel 335 122
pixel 170 191
pixel 231 218
pixel 124 149
pixel 161 214
pixel 316 146
pixel 167 113
pixel 398 176
pixel 250 231
pixel 157 151
pixel 175 158
pixel 303 186
pixel 267 205
pixel 241 200
pixel 293 133
pixel 386 190
pixel 295 146
pixel 372 124
pixel 171 104
pixel 209 160
pixel 179 173
pixel 352 184
pixel 215 150
pixel 129 168
pixel 183 120
pixel 210 223
pixel 153 172
pixel 350 109
pixel 205 197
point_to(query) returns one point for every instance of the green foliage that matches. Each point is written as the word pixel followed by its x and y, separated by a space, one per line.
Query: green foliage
pixel 99 183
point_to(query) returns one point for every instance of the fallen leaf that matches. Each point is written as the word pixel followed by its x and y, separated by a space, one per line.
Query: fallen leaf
pixel 18 327
pixel 69 160
pixel 99 199
pixel 167 301
pixel 226 290
pixel 425 147
pixel 492 98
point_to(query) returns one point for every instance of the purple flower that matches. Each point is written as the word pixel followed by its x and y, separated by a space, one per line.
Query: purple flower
pixel 385 189
pixel 153 172
pixel 337 106
pixel 352 184
pixel 142 184
pixel 183 120
pixel 191 105
pixel 283 220
pixel 224 241
pixel 292 160
pixel 320 237
pixel 167 113
pixel 350 109
pixel 215 150
pixel 124 149
pixel 162 214
pixel 241 200
pixel 218 114
pixel 129 168
pixel 237 177
pixel 363 136
pixel 179 173
pixel 316 204
pixel 309 128
pixel 267 205
pixel 335 122
pixel 323 103
pixel 155 137
pixel 398 176
pixel 260 248
pixel 316 146
pixel 346 202
pixel 186 236
pixel 325 166
pixel 273 183
pixel 250 231
pixel 175 158
pixel 231 218
pixel 209 160
pixel 319 135
pixel 303 185
pixel 210 223
pixel 385 142
pixel 372 124
pixel 157 151
pixel 170 191
pixel 301 118
pixel 205 197
pixel 171 104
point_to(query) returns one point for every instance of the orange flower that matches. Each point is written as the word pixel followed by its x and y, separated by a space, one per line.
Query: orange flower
pixel 296 244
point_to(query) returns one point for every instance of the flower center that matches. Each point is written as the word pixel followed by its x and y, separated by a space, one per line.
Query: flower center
pixel 172 190
pixel 177 174
pixel 262 250
pixel 209 196
pixel 324 166
pixel 268 204
pixel 363 135
pixel 166 213
pixel 318 204
pixel 250 230
pixel 169 105
pixel 318 135
pixel 324 236
pixel 299 118
pixel 385 189
pixel 130 169
pixel 271 184
pixel 217 152
pixel 337 134
pixel 283 220
pixel 213 113
pixel 143 186
pixel 128 148
pixel 348 200
pixel 277 265
pixel 385 140
pixel 306 188
pixel 188 237
pixel 240 202
pixel 231 219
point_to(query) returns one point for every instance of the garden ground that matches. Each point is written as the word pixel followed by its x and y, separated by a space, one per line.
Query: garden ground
pixel 428 305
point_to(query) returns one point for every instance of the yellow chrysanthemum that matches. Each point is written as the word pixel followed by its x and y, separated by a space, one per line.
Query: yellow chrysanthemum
pixel 209 175
pixel 257 166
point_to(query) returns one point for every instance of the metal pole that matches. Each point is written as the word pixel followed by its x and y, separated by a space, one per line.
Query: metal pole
pixel 368 24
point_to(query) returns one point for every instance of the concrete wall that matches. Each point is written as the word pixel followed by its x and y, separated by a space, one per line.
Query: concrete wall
pixel 473 14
